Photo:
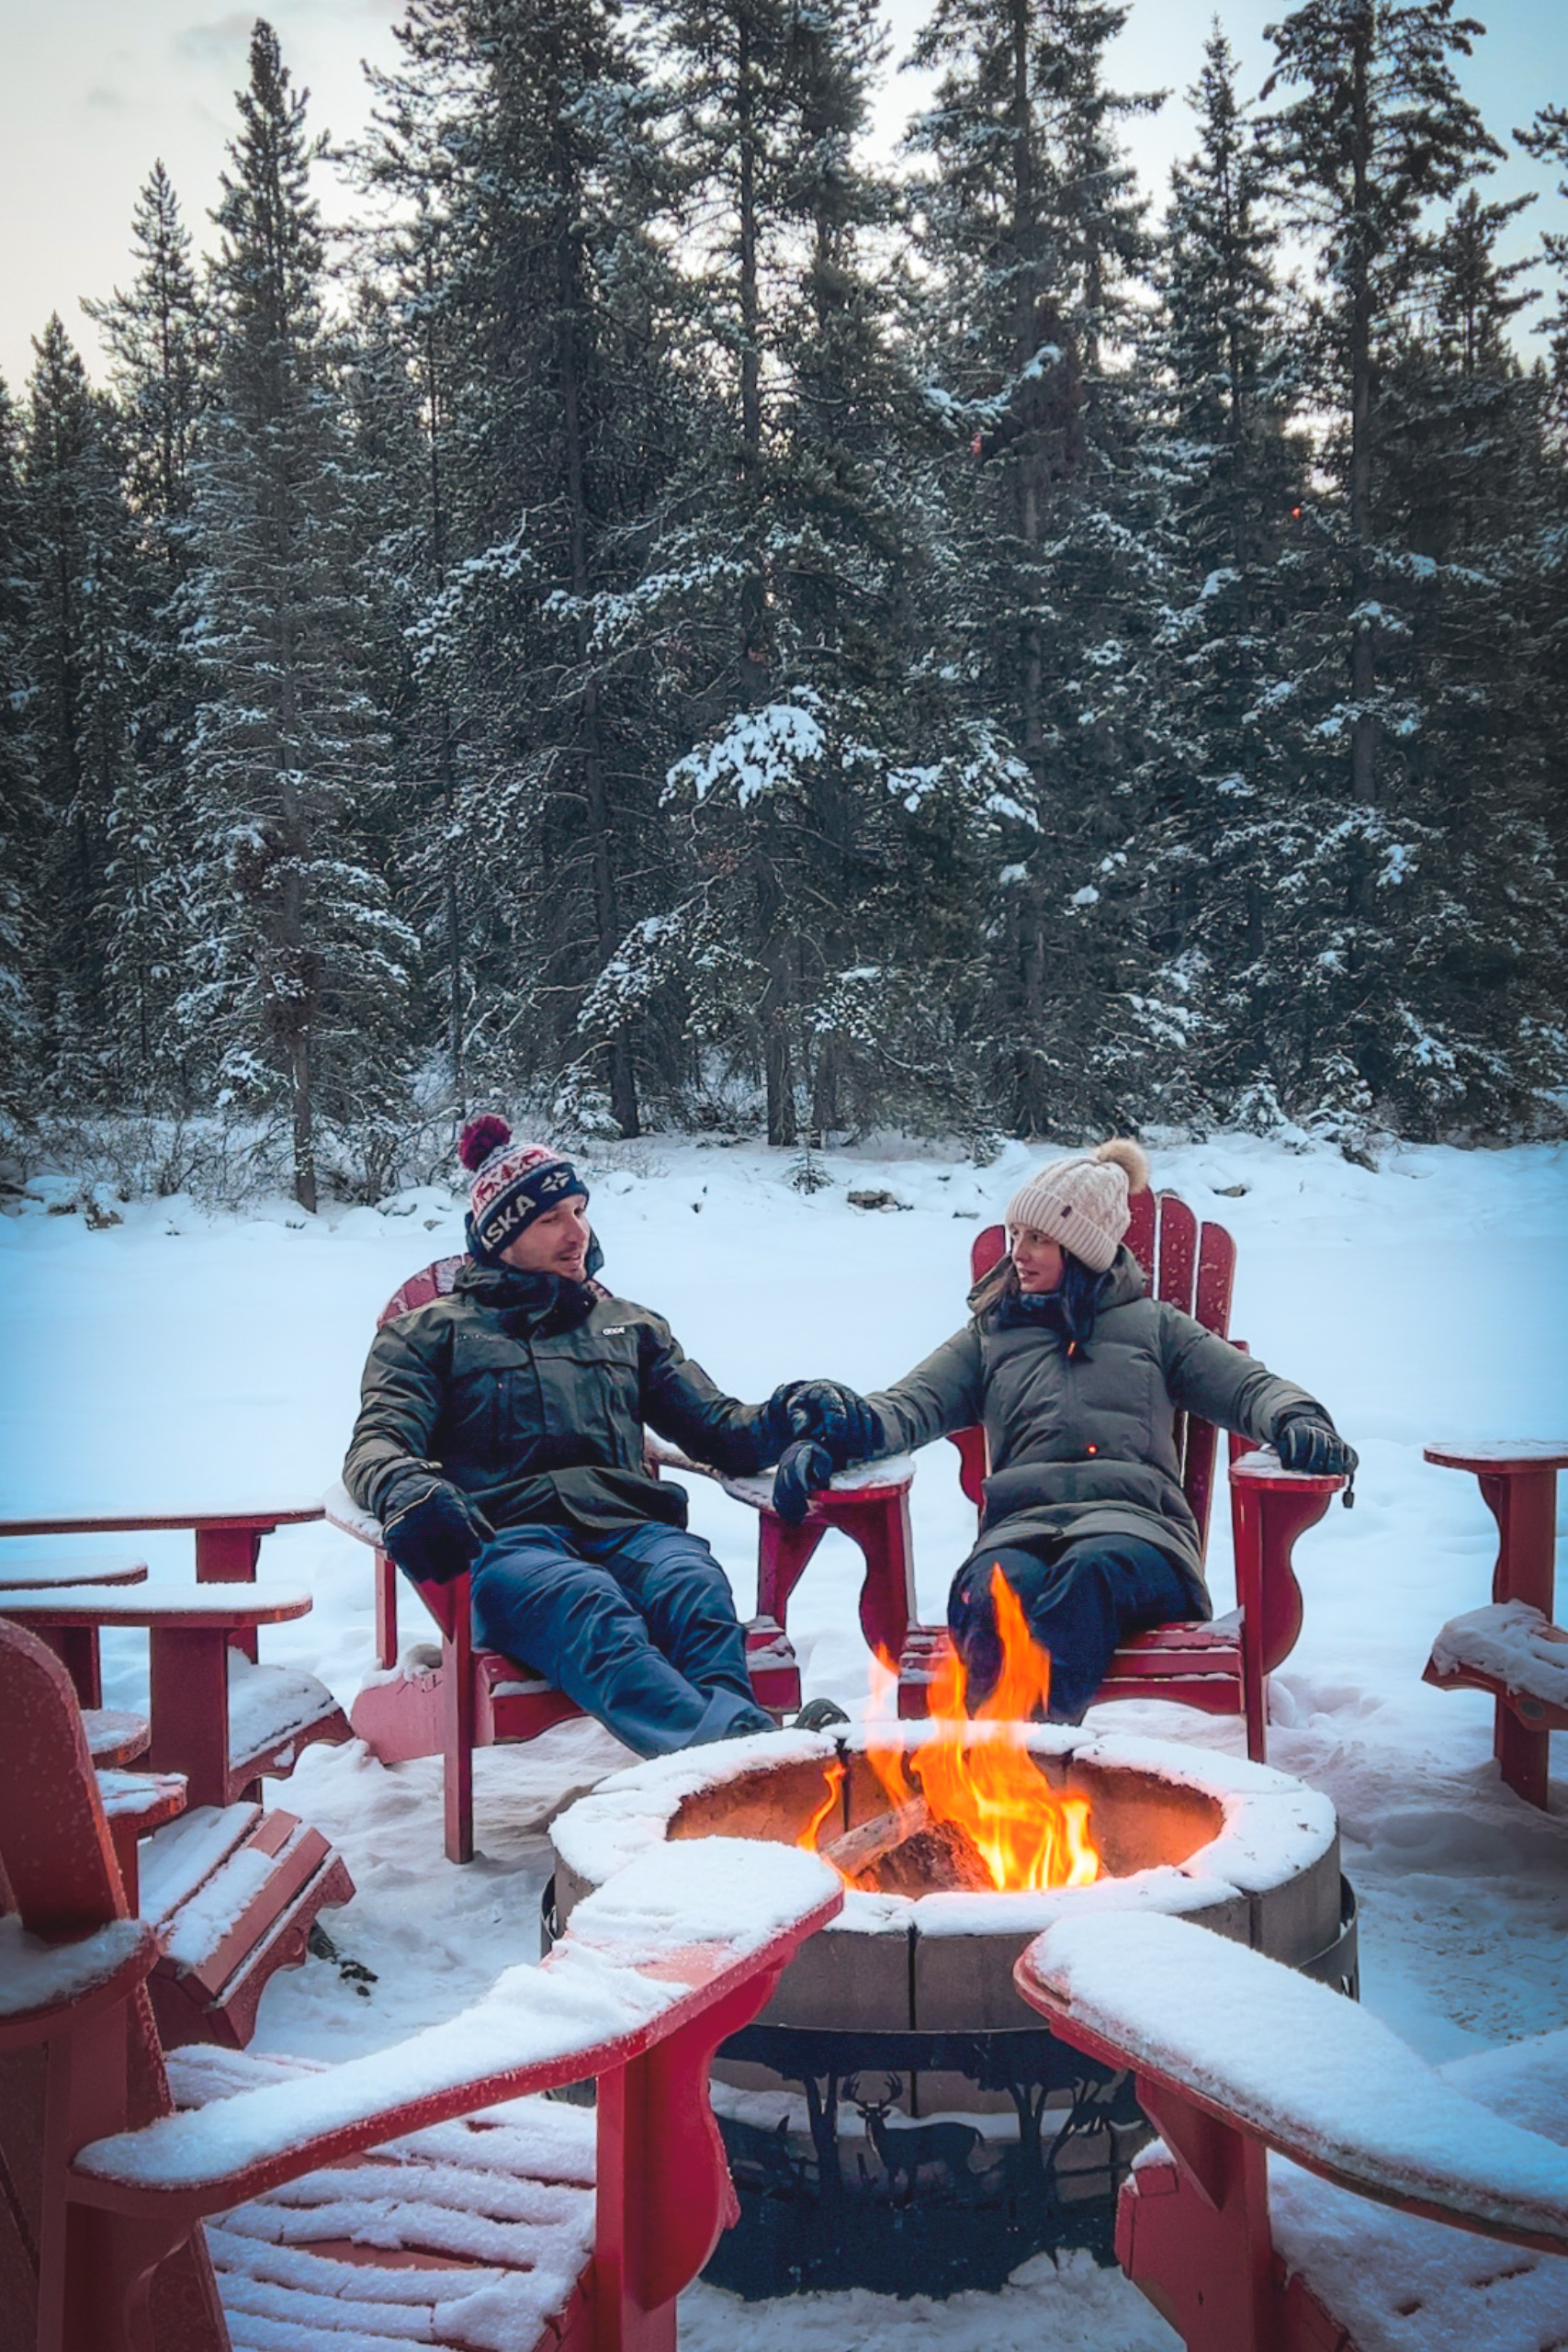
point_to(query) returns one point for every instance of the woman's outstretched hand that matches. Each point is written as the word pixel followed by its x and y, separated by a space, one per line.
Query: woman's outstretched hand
pixel 1310 1442
pixel 836 1418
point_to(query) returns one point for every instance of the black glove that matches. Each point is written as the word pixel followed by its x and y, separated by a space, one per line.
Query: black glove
pixel 804 1467
pixel 1309 1440
pixel 432 1531
pixel 836 1418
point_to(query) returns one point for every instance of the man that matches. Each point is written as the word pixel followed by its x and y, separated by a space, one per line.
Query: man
pixel 500 1431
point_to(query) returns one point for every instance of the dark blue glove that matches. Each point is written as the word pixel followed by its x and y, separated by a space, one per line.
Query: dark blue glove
pixel 803 1468
pixel 1308 1441
pixel 836 1418
pixel 432 1531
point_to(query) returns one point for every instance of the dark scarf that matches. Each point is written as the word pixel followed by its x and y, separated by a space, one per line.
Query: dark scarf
pixel 1069 1310
pixel 529 1306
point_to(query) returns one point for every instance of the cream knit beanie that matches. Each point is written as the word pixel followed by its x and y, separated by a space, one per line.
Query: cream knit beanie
pixel 1082 1204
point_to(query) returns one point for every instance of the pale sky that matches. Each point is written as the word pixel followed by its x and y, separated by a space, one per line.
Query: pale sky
pixel 92 91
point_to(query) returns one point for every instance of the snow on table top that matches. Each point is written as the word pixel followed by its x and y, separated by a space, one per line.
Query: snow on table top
pixel 1513 1642
pixel 35 1975
pixel 1299 2064
pixel 340 1507
pixel 145 1604
pixel 23 1568
pixel 588 1996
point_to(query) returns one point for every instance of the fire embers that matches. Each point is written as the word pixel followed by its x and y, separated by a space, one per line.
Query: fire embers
pixel 968 1811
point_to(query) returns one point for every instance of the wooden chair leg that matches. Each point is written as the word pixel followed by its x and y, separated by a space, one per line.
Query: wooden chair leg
pixel 887 1593
pixel 784 1555
pixel 458 1725
pixel 385 1611
pixel 1196 2232
pixel 1523 1756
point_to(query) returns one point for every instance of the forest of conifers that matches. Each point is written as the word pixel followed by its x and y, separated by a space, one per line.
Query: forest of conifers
pixel 662 622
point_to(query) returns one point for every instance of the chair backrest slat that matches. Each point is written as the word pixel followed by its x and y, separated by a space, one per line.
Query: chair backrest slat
pixel 1191 1269
pixel 434 1280
pixel 56 1855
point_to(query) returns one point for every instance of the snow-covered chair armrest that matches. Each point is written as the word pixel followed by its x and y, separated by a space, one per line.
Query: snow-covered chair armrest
pixel 1270 1507
pixel 43 1985
pixel 341 1510
pixel 690 1937
pixel 860 1478
pixel 1213 2030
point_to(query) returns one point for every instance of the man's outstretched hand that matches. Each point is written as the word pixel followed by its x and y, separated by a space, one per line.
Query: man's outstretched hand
pixel 803 1468
pixel 429 1528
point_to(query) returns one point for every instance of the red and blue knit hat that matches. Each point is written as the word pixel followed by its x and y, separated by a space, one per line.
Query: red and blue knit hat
pixel 513 1184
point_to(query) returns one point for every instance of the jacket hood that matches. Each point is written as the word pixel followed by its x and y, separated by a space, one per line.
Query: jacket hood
pixel 529 1301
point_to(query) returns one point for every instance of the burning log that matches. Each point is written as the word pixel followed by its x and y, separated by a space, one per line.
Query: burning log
pixel 856 1854
pixel 940 1860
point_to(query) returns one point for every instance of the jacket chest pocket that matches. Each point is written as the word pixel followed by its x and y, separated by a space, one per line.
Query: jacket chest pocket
pixel 590 1384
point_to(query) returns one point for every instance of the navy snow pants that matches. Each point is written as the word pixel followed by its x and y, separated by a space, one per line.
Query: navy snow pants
pixel 1080 1599
pixel 636 1624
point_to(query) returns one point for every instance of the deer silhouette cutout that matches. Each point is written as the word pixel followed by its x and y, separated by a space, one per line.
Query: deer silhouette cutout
pixel 906 2150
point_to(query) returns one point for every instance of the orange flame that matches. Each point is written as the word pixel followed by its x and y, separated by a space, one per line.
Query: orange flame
pixel 834 1777
pixel 1027 1836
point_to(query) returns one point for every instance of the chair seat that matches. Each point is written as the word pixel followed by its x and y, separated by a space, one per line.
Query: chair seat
pixel 1511 1650
pixel 233 1892
pixel 470 2233
pixel 273 1711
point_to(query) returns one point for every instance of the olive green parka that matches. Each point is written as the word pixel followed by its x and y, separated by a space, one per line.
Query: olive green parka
pixel 1083 1444
pixel 530 1392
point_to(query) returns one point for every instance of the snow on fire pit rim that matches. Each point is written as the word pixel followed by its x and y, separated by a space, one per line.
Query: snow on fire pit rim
pixel 1273 1827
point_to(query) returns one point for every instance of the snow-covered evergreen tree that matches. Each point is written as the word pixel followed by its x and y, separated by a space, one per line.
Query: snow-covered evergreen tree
pixel 303 973
pixel 79 665
pixel 159 338
pixel 1030 228
pixel 20 812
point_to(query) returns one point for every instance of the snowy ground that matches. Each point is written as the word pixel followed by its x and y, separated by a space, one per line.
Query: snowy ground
pixel 181 1357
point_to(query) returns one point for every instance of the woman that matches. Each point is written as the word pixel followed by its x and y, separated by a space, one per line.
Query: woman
pixel 1077 1375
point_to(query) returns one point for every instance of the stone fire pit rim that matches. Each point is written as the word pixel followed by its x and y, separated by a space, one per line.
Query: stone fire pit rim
pixel 1273 1826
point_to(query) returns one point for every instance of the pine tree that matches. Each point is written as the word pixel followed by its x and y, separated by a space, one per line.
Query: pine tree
pixel 159 336
pixel 1386 881
pixel 304 973
pixel 80 669
pixel 20 812
pixel 1224 344
pixel 524 131
pixel 1031 230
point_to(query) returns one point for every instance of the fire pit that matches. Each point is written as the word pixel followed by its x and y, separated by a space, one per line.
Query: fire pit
pixel 896 2118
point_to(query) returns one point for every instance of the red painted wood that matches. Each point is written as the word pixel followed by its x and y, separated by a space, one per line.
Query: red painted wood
pixel 114 1737
pixel 143 1522
pixel 1518 1482
pixel 1139 1234
pixel 1177 1278
pixel 103 2267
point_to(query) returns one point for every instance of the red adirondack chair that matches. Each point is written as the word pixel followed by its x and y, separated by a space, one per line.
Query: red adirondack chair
pixel 102 2244
pixel 230 1889
pixel 449 1703
pixel 1221 1667
pixel 1263 2222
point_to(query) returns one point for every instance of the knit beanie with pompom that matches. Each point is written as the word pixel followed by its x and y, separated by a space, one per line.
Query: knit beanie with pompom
pixel 513 1184
pixel 1082 1205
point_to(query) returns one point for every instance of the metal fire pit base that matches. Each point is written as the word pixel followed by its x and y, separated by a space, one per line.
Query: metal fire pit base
pixel 1021 2148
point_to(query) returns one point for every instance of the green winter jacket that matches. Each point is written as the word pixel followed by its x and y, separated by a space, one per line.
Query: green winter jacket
pixel 530 1395
pixel 1085 1446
